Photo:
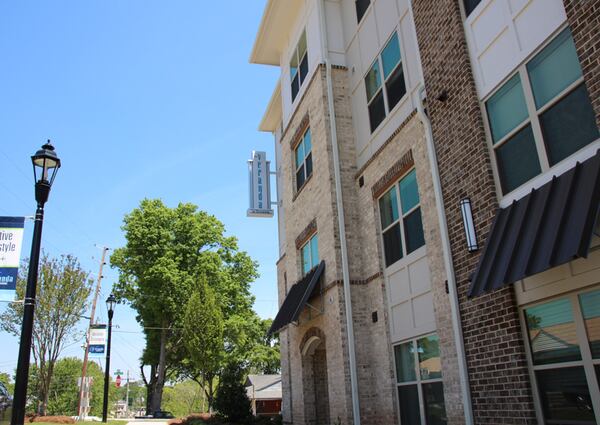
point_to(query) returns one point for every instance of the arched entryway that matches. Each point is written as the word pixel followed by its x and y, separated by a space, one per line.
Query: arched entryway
pixel 314 376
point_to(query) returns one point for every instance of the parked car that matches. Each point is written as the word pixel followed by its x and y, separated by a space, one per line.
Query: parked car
pixel 5 405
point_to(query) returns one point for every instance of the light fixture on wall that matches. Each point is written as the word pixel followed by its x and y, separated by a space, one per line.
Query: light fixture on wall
pixel 467 216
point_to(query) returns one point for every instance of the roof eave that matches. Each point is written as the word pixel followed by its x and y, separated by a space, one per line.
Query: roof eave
pixel 272 116
pixel 278 17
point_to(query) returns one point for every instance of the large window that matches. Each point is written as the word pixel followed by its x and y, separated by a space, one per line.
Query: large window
pixel 303 160
pixel 361 8
pixel 564 343
pixel 541 115
pixel 384 90
pixel 299 65
pixel 470 5
pixel 401 223
pixel 419 382
pixel 309 254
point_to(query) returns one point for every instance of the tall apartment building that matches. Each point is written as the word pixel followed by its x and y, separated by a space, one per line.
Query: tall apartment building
pixel 438 184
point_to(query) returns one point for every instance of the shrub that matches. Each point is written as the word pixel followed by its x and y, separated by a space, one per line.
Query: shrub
pixel 231 400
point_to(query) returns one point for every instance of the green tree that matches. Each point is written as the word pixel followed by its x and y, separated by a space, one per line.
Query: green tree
pixel 265 357
pixel 170 254
pixel 184 398
pixel 6 379
pixel 203 332
pixel 62 292
pixel 232 401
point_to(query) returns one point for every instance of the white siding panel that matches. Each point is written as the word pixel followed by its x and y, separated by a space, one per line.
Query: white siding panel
pixel 399 286
pixel 408 285
pixel 355 69
pixel 501 34
pixel 487 26
pixel 335 34
pixel 402 7
pixel 423 312
pixel 409 53
pixel 348 20
pixel 369 44
pixel 386 16
pixel 420 281
pixel 531 36
pixel 493 69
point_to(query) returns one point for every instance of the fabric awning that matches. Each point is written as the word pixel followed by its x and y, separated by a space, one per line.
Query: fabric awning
pixel 550 226
pixel 296 298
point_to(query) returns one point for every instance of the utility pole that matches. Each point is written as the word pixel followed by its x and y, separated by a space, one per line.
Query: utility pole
pixel 127 396
pixel 87 338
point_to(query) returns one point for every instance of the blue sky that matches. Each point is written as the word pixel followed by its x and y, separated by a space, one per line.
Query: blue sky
pixel 141 98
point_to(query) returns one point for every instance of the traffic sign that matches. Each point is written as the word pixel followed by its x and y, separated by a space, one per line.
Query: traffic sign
pixel 118 372
pixel 118 381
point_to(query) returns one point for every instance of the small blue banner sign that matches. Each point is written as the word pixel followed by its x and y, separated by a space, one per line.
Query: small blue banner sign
pixel 11 239
pixel 97 340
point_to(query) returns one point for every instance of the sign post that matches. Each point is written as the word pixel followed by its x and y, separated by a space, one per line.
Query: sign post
pixel 259 174
pixel 11 238
pixel 97 344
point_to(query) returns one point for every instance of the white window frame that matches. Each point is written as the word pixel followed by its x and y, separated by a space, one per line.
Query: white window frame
pixel 533 114
pixel 296 166
pixel 587 362
pixel 384 80
pixel 401 216
pixel 310 253
pixel 295 54
pixel 418 382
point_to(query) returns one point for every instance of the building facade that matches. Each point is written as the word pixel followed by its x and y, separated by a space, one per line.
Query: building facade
pixel 398 304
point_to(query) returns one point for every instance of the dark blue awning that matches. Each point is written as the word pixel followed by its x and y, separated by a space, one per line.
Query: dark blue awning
pixel 296 299
pixel 550 226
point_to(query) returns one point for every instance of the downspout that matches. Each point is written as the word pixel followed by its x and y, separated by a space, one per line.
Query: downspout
pixel 444 235
pixel 452 288
pixel 341 220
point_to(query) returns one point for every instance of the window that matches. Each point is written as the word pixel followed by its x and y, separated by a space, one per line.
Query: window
pixel 419 382
pixel 361 8
pixel 384 93
pixel 309 254
pixel 541 115
pixel 401 223
pixel 299 65
pixel 303 159
pixel 470 5
pixel 564 338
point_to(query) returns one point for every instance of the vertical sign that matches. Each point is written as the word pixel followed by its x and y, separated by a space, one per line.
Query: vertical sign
pixel 260 187
pixel 11 237
pixel 97 344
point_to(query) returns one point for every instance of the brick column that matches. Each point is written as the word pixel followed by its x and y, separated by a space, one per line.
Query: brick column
pixel 496 361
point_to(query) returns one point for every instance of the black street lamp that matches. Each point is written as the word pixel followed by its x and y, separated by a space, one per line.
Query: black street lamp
pixel 110 305
pixel 45 165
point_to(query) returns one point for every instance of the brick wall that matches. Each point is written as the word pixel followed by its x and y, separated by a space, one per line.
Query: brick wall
pixel 584 19
pixel 498 374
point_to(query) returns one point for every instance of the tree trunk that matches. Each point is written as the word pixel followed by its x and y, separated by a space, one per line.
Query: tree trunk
pixel 160 372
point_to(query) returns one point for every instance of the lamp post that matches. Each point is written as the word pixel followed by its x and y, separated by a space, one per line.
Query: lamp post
pixel 45 165
pixel 110 305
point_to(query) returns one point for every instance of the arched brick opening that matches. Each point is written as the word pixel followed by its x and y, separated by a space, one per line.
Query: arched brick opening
pixel 314 377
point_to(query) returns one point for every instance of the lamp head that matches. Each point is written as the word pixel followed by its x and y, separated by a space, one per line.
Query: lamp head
pixel 45 165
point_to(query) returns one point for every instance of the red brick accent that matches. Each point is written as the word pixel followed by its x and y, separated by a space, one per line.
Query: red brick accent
pixel 300 131
pixel 308 231
pixel 584 19
pixel 498 374
pixel 393 174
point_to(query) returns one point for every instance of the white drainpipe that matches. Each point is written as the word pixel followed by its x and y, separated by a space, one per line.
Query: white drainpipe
pixel 441 213
pixel 341 221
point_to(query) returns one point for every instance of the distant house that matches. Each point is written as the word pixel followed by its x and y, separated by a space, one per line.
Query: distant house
pixel 264 392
